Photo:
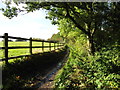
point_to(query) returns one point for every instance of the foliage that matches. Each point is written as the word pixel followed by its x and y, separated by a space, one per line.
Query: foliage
pixel 96 72
pixel 83 15
pixel 85 71
pixel 81 23
pixel 56 37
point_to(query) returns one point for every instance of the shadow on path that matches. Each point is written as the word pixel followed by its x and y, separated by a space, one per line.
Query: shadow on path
pixel 30 72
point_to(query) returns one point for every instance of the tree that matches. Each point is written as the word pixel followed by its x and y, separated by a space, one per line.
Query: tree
pixel 79 22
pixel 110 28
pixel 56 37
pixel 89 17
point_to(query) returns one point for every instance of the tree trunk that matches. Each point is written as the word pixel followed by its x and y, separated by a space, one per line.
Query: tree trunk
pixel 91 44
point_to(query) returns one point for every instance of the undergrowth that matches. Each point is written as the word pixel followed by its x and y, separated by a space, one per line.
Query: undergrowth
pixel 83 71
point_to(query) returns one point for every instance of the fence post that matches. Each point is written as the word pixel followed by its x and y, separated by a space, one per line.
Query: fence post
pixel 31 46
pixel 50 46
pixel 6 47
pixel 43 46
pixel 57 45
pixel 54 45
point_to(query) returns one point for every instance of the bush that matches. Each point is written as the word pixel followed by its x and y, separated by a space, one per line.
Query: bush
pixel 100 71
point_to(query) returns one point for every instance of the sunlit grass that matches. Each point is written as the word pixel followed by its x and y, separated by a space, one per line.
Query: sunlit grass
pixel 23 51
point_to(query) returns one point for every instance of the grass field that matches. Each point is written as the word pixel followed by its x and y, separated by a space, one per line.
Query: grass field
pixel 23 51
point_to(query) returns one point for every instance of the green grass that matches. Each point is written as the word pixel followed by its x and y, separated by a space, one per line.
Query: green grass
pixel 24 51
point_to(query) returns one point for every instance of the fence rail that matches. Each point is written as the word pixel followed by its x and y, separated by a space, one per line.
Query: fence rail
pixel 56 46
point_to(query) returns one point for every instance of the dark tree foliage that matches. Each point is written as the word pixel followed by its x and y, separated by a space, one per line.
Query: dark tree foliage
pixel 98 21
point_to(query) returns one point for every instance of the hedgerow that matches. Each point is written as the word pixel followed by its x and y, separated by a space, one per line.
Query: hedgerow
pixel 99 71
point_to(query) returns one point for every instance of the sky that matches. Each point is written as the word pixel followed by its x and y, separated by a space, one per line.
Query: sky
pixel 28 25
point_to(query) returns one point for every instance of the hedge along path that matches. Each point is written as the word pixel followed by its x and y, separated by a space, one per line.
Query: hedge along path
pixel 29 49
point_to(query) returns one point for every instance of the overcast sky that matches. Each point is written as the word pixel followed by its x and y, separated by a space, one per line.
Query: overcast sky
pixel 32 24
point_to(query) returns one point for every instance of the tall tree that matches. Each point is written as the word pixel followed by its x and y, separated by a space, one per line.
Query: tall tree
pixel 86 16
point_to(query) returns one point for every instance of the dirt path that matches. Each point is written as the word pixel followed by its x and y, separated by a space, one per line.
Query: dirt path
pixel 49 84
pixel 33 72
pixel 49 78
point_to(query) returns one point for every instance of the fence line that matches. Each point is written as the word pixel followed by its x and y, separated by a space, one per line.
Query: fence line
pixel 5 37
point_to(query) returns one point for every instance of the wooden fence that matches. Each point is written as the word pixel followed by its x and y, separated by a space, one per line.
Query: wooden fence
pixel 56 46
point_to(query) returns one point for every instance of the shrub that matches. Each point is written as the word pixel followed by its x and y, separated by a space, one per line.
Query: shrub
pixel 100 71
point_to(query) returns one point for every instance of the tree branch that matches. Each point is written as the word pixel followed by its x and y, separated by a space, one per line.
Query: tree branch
pixel 74 21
